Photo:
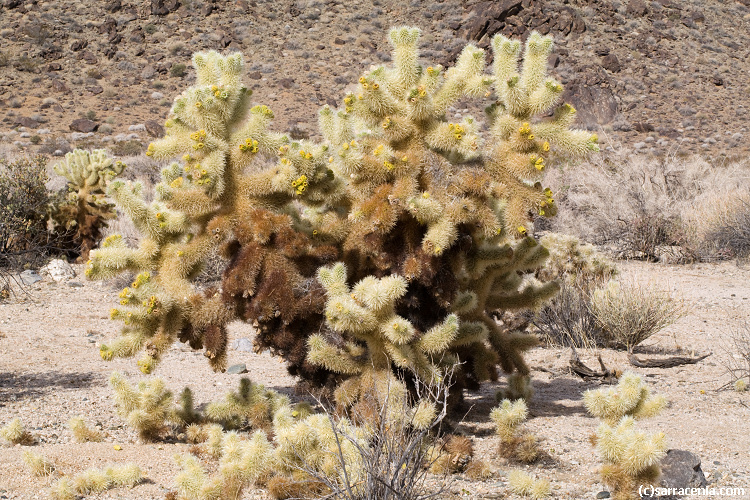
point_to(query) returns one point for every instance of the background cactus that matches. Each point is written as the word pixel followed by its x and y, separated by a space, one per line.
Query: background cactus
pixel 81 218
pixel 427 225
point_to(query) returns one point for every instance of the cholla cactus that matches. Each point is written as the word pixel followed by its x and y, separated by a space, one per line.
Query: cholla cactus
pixel 241 463
pixel 252 405
pixel 519 387
pixel 514 443
pixel 86 210
pixel 81 432
pixel 630 397
pixel 92 481
pixel 580 263
pixel 147 408
pixel 14 433
pixel 409 222
pixel 525 485
pixel 39 464
pixel 631 457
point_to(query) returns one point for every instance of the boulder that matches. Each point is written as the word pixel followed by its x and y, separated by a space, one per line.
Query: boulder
pixel 591 94
pixel 83 125
pixel 164 7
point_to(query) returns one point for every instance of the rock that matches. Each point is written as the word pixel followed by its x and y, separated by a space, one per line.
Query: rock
pixel 164 7
pixel 286 82
pixel 148 72
pixel 611 63
pixel 58 270
pixel 589 91
pixel 207 9
pixel 78 45
pixel 156 95
pixel 83 125
pixel 58 85
pixel 601 51
pixel 717 80
pixel 89 57
pixel 682 469
pixel 643 127
pixel 243 344
pixel 12 4
pixel 25 121
pixel 75 284
pixel 237 369
pixel 113 6
pixel 154 129
pixel 602 494
pixel 255 75
pixel 489 17
pixel 30 277
pixel 339 41
pixel 637 8
pixel 95 90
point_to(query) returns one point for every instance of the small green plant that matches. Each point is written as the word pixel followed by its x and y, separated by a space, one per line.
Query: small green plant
pixel 631 457
pixel 150 29
pixel 24 202
pixel 35 139
pixel 26 63
pixel 126 148
pixel 178 70
pixel 737 359
pixel 90 114
pixel 567 318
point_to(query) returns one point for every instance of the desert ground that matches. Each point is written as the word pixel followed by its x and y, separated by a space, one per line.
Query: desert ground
pixel 51 372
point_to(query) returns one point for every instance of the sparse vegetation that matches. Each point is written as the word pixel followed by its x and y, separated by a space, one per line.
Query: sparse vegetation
pixel 630 313
pixel 24 204
pixel 178 70
pixel 647 208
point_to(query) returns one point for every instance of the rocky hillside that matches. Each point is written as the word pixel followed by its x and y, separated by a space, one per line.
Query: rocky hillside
pixel 666 76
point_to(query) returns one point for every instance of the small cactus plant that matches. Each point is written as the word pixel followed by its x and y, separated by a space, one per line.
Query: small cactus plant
pixel 631 457
pixel 514 443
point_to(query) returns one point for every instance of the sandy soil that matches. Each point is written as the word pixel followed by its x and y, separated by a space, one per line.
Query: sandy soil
pixel 50 371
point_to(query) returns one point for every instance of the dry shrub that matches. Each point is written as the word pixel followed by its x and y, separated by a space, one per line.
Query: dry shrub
pixel 729 231
pixel 737 359
pixel 24 204
pixel 643 206
pixel 631 313
pixel 567 320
